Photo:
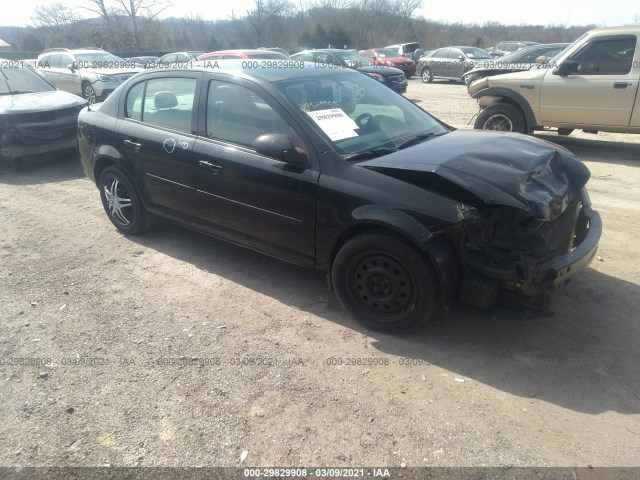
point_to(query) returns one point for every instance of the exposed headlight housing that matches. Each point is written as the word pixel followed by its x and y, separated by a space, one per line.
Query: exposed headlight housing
pixel 377 76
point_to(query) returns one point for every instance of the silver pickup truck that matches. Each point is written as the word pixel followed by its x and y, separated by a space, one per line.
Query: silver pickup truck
pixel 591 85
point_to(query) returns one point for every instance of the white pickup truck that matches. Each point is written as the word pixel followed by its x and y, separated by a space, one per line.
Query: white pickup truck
pixel 591 85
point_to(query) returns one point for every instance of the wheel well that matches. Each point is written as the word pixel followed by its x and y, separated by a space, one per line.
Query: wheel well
pixel 100 165
pixel 374 228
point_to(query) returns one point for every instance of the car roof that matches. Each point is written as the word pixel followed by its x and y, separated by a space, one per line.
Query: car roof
pixel 239 50
pixel 238 67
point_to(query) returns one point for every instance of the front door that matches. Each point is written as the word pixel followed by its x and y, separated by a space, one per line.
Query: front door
pixel 601 92
pixel 255 199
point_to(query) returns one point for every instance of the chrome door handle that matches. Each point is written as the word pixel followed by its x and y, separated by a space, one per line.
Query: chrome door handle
pixel 131 143
pixel 215 169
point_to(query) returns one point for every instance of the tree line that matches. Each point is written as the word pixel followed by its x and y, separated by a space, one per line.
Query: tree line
pixel 135 26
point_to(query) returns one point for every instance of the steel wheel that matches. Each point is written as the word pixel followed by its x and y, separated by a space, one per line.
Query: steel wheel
pixel 384 286
pixel 384 283
pixel 498 122
pixel 501 117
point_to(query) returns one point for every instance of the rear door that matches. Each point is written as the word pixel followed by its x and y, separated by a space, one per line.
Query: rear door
pixel 157 135
pixel 439 62
pixel 249 197
pixel 602 92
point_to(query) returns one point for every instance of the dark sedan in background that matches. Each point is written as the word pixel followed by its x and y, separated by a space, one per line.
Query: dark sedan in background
pixel 37 121
pixel 327 59
pixel 450 62
pixel 402 212
pixel 525 59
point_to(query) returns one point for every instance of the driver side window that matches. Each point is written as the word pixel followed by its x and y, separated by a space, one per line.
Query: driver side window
pixel 606 57
pixel 238 115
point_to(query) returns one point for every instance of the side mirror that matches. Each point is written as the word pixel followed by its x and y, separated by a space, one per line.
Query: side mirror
pixel 566 68
pixel 71 67
pixel 279 147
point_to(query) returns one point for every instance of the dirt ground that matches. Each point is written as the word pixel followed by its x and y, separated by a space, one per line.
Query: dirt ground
pixel 175 349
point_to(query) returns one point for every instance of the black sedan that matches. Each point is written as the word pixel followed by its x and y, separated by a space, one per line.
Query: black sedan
pixel 537 56
pixel 331 170
pixel 332 58
pixel 450 62
pixel 37 121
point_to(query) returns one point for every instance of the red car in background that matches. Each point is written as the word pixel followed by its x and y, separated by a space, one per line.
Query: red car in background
pixel 385 57
pixel 257 54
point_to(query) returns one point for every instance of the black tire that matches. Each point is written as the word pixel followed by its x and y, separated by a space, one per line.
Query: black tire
pixel 427 75
pixel 122 203
pixel 88 93
pixel 384 283
pixel 500 117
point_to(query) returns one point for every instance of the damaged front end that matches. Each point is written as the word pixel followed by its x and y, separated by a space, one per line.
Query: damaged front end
pixel 509 258
pixel 534 228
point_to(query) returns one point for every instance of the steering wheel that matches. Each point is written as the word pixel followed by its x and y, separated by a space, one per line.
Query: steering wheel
pixel 360 93
pixel 360 121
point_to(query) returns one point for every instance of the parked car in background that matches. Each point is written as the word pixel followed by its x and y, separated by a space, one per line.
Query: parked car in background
pixel 592 86
pixel 525 59
pixel 411 50
pixel 145 61
pixel 37 121
pixel 450 63
pixel 504 48
pixel 390 58
pixel 327 59
pixel 403 212
pixel 246 53
pixel 178 58
pixel 275 49
pixel 90 72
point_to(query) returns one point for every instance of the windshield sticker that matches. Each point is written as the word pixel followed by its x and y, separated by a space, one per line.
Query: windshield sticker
pixel 335 123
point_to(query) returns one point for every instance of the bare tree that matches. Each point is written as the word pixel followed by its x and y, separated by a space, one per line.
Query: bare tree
pixel 266 13
pixel 55 22
pixel 106 14
pixel 141 13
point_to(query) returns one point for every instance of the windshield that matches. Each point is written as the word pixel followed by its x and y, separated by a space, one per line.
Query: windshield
pixel 387 53
pixel 268 55
pixel 22 80
pixel 97 59
pixel 357 113
pixel 473 52
pixel 352 58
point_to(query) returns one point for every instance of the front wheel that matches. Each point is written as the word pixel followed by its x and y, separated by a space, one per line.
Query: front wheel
pixel 427 75
pixel 122 203
pixel 384 283
pixel 89 94
pixel 501 117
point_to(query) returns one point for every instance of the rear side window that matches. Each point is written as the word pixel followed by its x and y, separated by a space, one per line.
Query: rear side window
pixel 134 102
pixel 442 53
pixel 55 60
pixel 164 102
pixel 606 57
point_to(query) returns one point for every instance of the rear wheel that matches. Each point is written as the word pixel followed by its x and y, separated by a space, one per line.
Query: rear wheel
pixel 500 117
pixel 121 202
pixel 427 75
pixel 384 283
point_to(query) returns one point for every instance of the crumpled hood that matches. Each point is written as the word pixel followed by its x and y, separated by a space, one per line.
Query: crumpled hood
pixel 39 102
pixel 496 167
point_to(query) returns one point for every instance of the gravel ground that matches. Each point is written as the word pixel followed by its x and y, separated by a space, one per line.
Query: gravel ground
pixel 174 349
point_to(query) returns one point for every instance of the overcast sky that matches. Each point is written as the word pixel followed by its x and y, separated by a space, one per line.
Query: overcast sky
pixel 540 12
